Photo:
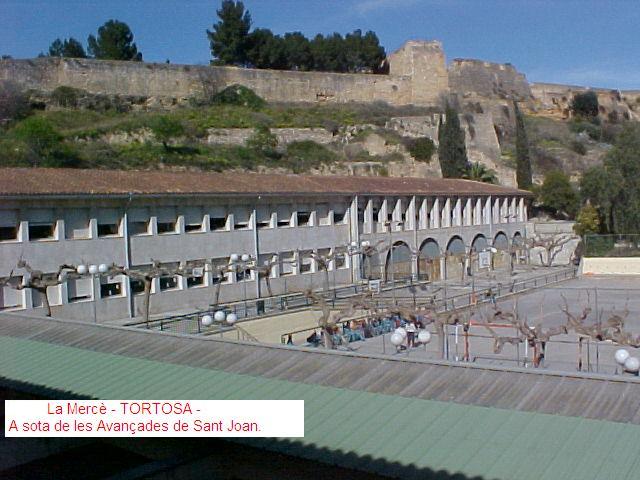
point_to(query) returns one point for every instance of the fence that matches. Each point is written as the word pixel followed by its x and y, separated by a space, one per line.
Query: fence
pixel 627 245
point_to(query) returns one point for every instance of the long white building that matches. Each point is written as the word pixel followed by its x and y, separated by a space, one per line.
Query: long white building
pixel 50 217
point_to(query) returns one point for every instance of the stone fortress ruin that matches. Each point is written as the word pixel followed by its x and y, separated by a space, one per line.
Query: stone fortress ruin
pixel 418 75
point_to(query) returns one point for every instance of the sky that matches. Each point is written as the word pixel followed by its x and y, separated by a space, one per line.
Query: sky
pixel 582 42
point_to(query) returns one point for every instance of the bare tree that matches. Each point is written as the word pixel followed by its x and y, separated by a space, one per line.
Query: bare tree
pixel 552 246
pixel 39 281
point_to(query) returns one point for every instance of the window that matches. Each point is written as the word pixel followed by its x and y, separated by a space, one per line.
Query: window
pixel 110 286
pixel 77 223
pixel 197 277
pixel 242 275
pixel 287 263
pixel 303 218
pixel 166 227
pixel 42 231
pixel 79 289
pixel 306 262
pixel 338 216
pixel 138 219
pixel 166 220
pixel 283 213
pixel 340 260
pixel 8 233
pixel 193 220
pixel 218 270
pixel 322 213
pixel 263 217
pixel 217 223
pixel 10 297
pixel 136 286
pixel 241 218
pixel 9 225
pixel 108 222
pixel 168 283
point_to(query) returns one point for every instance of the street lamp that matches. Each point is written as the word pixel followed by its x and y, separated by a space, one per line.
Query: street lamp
pixel 391 224
pixel 94 271
pixel 240 261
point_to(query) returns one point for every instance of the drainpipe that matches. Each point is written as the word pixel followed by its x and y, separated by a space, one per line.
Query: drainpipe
pixel 127 256
pixel 256 249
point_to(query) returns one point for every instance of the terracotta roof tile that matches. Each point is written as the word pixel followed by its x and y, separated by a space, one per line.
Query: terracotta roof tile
pixel 57 181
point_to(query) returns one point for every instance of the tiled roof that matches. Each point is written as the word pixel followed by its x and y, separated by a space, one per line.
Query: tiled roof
pixel 57 181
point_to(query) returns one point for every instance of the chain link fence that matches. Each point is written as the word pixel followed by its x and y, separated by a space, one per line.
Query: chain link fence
pixel 614 245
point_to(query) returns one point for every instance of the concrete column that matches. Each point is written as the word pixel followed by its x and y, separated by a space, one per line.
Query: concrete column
pixel 435 213
pixel 446 214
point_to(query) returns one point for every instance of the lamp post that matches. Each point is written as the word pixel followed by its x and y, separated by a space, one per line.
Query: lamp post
pixel 220 316
pixel 241 261
pixel 95 271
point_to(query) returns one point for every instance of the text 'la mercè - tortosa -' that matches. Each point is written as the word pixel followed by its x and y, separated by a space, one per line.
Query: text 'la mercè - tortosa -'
pixel 124 407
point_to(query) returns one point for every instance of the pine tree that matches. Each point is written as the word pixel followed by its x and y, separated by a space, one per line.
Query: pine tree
pixel 114 42
pixel 70 48
pixel 452 151
pixel 523 159
pixel 230 36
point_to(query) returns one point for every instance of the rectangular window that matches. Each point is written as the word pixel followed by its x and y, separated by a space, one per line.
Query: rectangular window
pixel 8 234
pixel 219 268
pixel 303 218
pixel 287 263
pixel 10 297
pixel 306 262
pixel 197 273
pixel 338 216
pixel 110 286
pixel 168 283
pixel 42 231
pixel 283 213
pixel 193 282
pixel 166 220
pixel 79 289
pixel 108 222
pixel 193 219
pixel 217 223
pixel 340 260
pixel 166 227
pixel 241 218
pixel 139 221
pixel 263 217
pixel 137 286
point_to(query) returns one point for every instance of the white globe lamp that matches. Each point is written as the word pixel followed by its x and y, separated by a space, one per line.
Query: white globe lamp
pixel 103 268
pixel 234 257
pixel 93 269
pixel 245 257
pixel 621 356
pixel 366 243
pixel 207 320
pixel 396 339
pixel 424 336
pixel 402 332
pixel 632 364
pixel 219 316
pixel 232 318
pixel 81 269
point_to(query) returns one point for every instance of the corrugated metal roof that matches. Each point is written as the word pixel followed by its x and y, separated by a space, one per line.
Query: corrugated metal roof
pixel 60 181
pixel 584 395
pixel 387 434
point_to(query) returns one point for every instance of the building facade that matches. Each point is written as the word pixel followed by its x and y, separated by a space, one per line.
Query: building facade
pixel 51 217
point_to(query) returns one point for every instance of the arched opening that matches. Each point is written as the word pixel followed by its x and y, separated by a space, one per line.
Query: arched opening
pixel 371 266
pixel 519 254
pixel 518 240
pixel 455 258
pixel 429 260
pixel 398 264
pixel 479 244
pixel 501 259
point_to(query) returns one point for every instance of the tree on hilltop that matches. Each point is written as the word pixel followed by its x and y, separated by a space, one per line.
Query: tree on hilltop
pixel 114 42
pixel 523 158
pixel 452 151
pixel 585 104
pixel 230 35
pixel 69 48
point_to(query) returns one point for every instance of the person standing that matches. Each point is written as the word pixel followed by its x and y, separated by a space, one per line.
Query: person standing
pixel 411 334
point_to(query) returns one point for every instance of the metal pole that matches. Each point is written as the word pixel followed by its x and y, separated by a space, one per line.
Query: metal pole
pixel 95 298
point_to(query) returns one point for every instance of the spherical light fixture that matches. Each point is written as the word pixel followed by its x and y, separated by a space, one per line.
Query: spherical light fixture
pixel 632 364
pixel 219 316
pixel 234 257
pixel 245 257
pixel 207 320
pixel 93 269
pixel 232 318
pixel 354 244
pixel 396 339
pixel 402 332
pixel 81 269
pixel 621 356
pixel 103 268
pixel 366 243
pixel 424 336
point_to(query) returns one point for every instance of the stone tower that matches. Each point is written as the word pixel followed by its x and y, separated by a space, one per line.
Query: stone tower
pixel 424 63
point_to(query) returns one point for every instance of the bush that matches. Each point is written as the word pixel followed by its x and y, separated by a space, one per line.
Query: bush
pixel 165 128
pixel 558 194
pixel 14 104
pixel 422 149
pixel 578 125
pixel 239 95
pixel 578 147
pixel 585 104
pixel 587 221
pixel 263 142
pixel 66 97
pixel 305 155
pixel 38 133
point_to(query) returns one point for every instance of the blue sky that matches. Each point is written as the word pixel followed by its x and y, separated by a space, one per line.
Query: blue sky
pixel 587 42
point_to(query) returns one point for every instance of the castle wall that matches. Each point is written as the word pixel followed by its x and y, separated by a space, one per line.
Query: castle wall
pixel 469 78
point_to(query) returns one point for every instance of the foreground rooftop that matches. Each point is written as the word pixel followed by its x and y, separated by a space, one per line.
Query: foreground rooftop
pixel 388 416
